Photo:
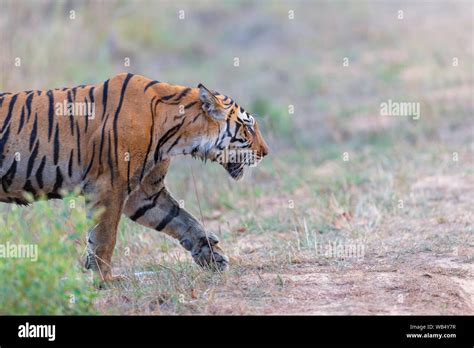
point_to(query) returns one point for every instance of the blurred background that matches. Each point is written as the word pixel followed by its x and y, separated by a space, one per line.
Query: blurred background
pixel 315 74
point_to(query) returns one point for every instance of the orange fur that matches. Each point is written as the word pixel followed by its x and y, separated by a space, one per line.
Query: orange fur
pixel 119 156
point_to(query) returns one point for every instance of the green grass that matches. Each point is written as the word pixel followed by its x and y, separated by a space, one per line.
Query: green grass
pixel 53 282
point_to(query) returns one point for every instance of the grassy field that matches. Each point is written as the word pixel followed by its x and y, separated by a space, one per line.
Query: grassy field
pixel 397 192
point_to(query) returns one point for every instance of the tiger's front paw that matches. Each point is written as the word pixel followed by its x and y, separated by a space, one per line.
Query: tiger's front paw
pixel 206 253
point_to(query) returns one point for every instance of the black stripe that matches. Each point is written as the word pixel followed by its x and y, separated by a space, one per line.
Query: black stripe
pixel 39 172
pixel 166 97
pixel 22 120
pixel 182 94
pixel 237 127
pixel 171 215
pixel 227 128
pixel 91 161
pixel 91 99
pixel 86 115
pixel 50 114
pixel 194 151
pixel 3 142
pixel 150 84
pixel 174 144
pixel 59 181
pixel 34 132
pixel 219 140
pixel 109 160
pixel 78 144
pixel 69 166
pixel 31 160
pixel 190 104
pixel 142 210
pixel 28 104
pixel 104 97
pixel 228 106
pixel 9 115
pixel 152 129
pixel 56 145
pixel 71 116
pixel 91 94
pixel 7 179
pixel 117 112
pixel 102 135
pixel 170 133
pixel 29 188
pixel 196 117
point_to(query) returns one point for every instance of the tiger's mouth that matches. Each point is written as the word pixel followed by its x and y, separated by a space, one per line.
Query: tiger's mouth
pixel 235 170
pixel 234 161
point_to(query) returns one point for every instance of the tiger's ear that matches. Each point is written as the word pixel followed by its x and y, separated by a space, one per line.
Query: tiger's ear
pixel 210 104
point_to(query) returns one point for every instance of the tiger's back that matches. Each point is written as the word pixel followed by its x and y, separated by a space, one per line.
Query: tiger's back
pixel 51 140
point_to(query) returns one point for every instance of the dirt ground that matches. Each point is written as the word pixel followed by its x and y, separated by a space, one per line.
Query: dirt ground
pixel 419 284
pixel 388 279
pixel 406 266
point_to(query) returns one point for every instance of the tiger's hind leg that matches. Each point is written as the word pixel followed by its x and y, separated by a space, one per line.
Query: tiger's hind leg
pixel 106 209
pixel 160 211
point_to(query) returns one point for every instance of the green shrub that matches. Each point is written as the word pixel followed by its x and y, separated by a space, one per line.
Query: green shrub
pixel 48 282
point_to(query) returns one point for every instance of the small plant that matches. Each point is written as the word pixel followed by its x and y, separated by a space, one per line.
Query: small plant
pixel 38 261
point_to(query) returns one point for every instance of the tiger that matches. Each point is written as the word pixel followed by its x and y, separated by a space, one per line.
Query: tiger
pixel 115 151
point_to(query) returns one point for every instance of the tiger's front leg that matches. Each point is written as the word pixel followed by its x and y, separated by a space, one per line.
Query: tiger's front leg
pixel 160 211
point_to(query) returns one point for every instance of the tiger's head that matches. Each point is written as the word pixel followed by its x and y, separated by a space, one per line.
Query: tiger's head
pixel 236 141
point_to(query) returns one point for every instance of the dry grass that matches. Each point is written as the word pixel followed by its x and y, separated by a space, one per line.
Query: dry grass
pixel 416 259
